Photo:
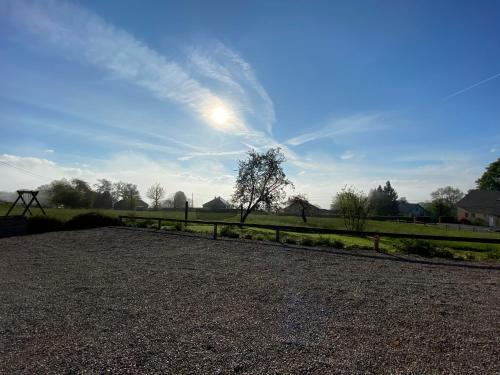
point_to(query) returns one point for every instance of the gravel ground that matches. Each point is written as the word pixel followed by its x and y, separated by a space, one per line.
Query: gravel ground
pixel 135 301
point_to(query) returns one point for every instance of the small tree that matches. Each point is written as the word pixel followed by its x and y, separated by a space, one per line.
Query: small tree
pixel 300 200
pixel 261 181
pixel 490 180
pixel 129 193
pixel 353 206
pixel 103 197
pixel 156 193
pixel 180 199
pixel 444 201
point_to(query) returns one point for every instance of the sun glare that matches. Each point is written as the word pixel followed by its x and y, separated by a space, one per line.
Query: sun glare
pixel 220 115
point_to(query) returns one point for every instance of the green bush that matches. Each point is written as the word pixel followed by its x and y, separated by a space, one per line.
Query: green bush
pixel 493 254
pixel 178 226
pixel 290 241
pixel 423 248
pixel 145 224
pixel 478 222
pixel 228 231
pixel 337 244
pixel 91 220
pixel 306 241
pixel 41 224
pixel 323 241
pixel 248 236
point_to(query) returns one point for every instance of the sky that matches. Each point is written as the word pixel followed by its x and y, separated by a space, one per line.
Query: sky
pixel 354 92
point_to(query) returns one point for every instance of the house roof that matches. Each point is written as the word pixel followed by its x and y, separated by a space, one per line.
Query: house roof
pixel 406 208
pixel 217 201
pixel 481 201
pixel 308 205
pixel 138 202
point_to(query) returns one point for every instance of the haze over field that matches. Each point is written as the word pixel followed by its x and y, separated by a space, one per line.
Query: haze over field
pixel 355 93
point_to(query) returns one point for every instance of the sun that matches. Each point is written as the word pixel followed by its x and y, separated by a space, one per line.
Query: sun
pixel 220 115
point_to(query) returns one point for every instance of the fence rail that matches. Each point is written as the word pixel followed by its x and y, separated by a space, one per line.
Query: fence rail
pixel 314 230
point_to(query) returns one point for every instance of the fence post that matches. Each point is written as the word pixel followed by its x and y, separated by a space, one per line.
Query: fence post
pixel 159 224
pixel 376 240
pixel 277 235
pixel 215 231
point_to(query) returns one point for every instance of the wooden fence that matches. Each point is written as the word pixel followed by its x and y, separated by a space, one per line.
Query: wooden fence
pixel 314 230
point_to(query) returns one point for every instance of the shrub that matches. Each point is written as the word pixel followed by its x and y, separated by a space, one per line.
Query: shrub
pixel 41 224
pixel 145 224
pixel 178 226
pixel 259 238
pixel 248 236
pixel 91 220
pixel 323 241
pixel 478 222
pixel 290 241
pixel 493 254
pixel 423 248
pixel 337 244
pixel 306 241
pixel 228 231
pixel 353 206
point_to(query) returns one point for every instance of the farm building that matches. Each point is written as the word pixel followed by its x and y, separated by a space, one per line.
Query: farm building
pixel 480 205
pixel 217 203
pixel 125 204
pixel 411 209
pixel 296 209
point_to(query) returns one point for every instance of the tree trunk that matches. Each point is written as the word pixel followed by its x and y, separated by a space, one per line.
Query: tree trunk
pixel 304 215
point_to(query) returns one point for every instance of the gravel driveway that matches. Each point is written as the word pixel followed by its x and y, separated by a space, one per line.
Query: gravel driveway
pixel 117 300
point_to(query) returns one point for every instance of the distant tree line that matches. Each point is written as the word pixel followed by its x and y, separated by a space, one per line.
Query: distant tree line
pixel 260 184
pixel 77 193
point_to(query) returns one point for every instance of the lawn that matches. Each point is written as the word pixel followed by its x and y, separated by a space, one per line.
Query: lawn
pixel 463 250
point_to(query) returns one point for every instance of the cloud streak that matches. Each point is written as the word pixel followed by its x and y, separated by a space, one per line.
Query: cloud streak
pixel 340 127
pixel 83 36
pixel 472 86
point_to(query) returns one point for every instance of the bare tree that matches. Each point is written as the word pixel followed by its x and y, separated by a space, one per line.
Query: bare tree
pixel 261 181
pixel 168 203
pixel 156 193
pixel 300 200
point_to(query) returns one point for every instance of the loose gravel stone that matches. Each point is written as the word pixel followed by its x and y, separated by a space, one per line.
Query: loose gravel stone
pixel 126 301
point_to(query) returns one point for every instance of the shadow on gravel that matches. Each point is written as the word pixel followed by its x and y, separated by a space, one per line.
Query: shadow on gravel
pixel 331 251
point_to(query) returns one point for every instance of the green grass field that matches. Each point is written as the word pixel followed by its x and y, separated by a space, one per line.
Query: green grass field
pixel 462 249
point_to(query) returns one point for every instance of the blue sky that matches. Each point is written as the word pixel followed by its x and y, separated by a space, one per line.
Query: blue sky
pixel 355 93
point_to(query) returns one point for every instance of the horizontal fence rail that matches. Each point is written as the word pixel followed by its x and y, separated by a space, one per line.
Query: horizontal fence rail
pixel 314 230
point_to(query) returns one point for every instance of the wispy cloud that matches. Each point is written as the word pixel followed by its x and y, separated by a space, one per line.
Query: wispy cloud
pixel 83 36
pixel 340 127
pixel 472 86
pixel 217 62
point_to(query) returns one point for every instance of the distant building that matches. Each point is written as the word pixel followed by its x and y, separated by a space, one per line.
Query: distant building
pixel 125 204
pixel 296 209
pixel 217 203
pixel 480 205
pixel 411 209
